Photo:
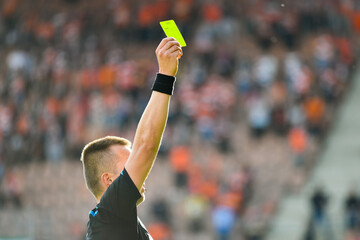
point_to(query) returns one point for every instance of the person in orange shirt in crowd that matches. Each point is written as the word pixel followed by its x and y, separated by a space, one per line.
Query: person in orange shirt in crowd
pixel 297 142
pixel 315 114
pixel 107 76
pixel 180 159
pixel 160 231
pixel 212 12
pixel 8 10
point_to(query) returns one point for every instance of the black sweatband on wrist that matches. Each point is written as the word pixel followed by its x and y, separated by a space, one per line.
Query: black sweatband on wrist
pixel 164 84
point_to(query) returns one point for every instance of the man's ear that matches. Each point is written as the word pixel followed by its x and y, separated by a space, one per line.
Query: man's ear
pixel 106 179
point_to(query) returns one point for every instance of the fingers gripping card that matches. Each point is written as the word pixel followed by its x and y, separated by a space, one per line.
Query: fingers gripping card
pixel 171 30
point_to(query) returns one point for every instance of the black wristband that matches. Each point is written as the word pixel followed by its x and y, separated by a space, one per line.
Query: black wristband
pixel 164 84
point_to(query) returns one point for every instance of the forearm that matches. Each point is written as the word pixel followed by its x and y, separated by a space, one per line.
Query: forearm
pixel 152 123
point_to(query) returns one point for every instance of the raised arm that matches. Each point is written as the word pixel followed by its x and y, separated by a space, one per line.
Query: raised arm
pixel 151 127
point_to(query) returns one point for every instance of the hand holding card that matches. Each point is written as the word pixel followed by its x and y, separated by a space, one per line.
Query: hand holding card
pixel 171 30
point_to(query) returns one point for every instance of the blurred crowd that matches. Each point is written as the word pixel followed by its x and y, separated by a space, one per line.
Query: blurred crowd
pixel 76 70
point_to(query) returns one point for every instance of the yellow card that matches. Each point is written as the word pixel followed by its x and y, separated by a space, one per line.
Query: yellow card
pixel 171 30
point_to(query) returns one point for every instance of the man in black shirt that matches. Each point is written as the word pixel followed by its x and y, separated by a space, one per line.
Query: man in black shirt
pixel 115 173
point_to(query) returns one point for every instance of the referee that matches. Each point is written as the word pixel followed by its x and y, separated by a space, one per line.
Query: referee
pixel 115 173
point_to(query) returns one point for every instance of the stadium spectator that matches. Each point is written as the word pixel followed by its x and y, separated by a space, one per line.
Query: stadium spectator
pixel 180 157
pixel 298 142
pixel 259 115
pixel 352 211
pixel 223 220
pixel 319 225
pixel 162 212
pixel 13 188
pixel 195 207
pixel 160 231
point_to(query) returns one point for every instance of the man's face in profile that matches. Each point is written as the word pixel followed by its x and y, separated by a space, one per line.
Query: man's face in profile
pixel 122 153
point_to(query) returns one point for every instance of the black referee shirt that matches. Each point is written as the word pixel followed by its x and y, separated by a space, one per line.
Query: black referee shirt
pixel 115 217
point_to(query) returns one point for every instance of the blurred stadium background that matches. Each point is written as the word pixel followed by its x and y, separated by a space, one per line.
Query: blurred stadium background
pixel 263 138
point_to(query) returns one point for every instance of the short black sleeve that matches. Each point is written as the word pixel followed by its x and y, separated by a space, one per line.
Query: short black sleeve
pixel 121 196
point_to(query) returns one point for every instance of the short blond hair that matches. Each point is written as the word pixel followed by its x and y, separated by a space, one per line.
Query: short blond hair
pixel 97 159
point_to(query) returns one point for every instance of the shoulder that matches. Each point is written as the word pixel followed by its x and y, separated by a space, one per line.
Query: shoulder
pixel 121 196
pixel 124 187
